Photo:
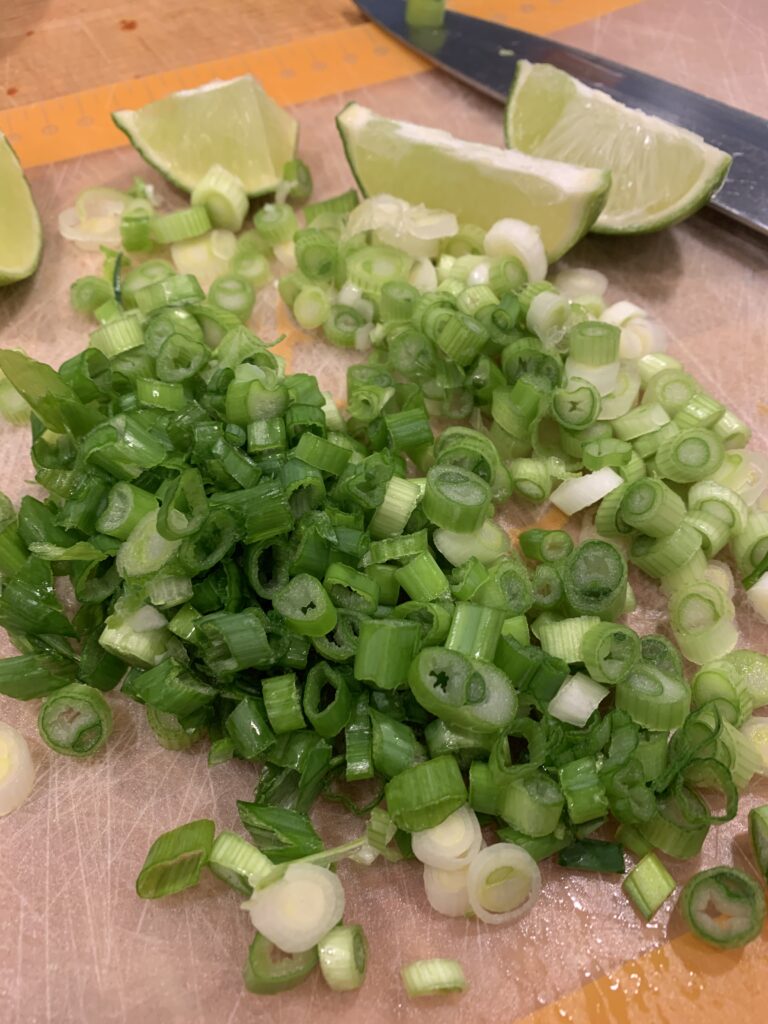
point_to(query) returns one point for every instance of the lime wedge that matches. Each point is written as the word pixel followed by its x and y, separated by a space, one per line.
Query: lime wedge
pixel 480 184
pixel 233 123
pixel 21 237
pixel 660 173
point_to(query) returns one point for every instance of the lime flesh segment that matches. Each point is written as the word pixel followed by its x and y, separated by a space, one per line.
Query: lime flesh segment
pixel 21 237
pixel 660 173
pixel 480 184
pixel 233 123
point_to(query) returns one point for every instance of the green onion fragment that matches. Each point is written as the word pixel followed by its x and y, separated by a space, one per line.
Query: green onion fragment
pixel 724 907
pixel 175 860
pixel 433 977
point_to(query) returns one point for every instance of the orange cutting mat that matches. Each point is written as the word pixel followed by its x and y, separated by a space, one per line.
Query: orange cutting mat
pixel 306 69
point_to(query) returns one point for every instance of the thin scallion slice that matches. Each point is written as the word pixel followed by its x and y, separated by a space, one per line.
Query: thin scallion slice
pixel 648 885
pixel 296 911
pixel 724 907
pixel 175 860
pixel 343 956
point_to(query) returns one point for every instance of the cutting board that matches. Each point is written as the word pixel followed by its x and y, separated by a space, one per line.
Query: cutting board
pixel 76 944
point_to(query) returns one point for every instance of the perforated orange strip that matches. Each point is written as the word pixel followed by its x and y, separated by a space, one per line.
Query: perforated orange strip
pixel 296 72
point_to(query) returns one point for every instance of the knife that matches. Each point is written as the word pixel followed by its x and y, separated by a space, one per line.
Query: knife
pixel 484 54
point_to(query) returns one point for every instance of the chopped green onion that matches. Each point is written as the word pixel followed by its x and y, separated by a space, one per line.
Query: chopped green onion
pixel 425 794
pixel 385 650
pixel 180 225
pixel 724 907
pixel 296 911
pixel 648 885
pixel 223 196
pixel 593 855
pixel 584 793
pixel 691 455
pixel 175 860
pixel 758 834
pixel 343 955
pixel 426 14
pixel 233 293
pixel 577 699
pixel 532 804
pixel 452 844
pixel 268 970
pixel 503 883
pixel 75 720
pixel 238 863
pixel 432 977
pixel 610 651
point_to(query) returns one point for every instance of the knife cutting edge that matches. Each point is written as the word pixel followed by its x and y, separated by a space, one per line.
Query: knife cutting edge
pixel 484 55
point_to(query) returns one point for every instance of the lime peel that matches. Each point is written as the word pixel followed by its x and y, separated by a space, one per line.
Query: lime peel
pixel 481 184
pixel 661 173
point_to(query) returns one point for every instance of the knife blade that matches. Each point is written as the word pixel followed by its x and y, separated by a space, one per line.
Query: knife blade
pixel 484 54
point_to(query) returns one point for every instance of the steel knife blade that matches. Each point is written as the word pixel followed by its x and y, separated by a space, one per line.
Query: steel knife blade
pixel 484 54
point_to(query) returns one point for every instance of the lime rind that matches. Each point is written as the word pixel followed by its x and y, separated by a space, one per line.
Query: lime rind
pixel 21 234
pixel 661 173
pixel 480 184
pixel 232 122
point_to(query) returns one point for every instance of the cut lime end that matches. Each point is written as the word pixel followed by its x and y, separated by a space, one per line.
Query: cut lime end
pixel 660 173
pixel 233 123
pixel 21 236
pixel 480 184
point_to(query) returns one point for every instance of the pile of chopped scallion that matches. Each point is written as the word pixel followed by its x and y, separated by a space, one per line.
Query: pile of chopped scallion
pixel 329 597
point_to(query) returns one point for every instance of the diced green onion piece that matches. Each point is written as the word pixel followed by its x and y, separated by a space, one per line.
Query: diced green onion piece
pixel 343 955
pixel 424 795
pixel 456 499
pixel 75 720
pixel 175 860
pixel 464 693
pixel 703 622
pixel 452 844
pixel 721 681
pixel 577 699
pixel 238 863
pixel 117 336
pixel 584 793
pixel 532 804
pixel 426 14
pixel 595 580
pixel 222 194
pixel 691 455
pixel 579 493
pixel 268 970
pixel 653 699
pixel 593 855
pixel 564 638
pixel 670 831
pixel 168 730
pixel 400 499
pixel 610 651
pixel 282 701
pixel 648 885
pixel 180 225
pixel 475 630
pixel 385 651
pixel 503 883
pixel 306 606
pixel 233 293
pixel 438 976
pixel 652 507
pixel 296 911
pixel 758 835
pixel 724 907
pixel 545 545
